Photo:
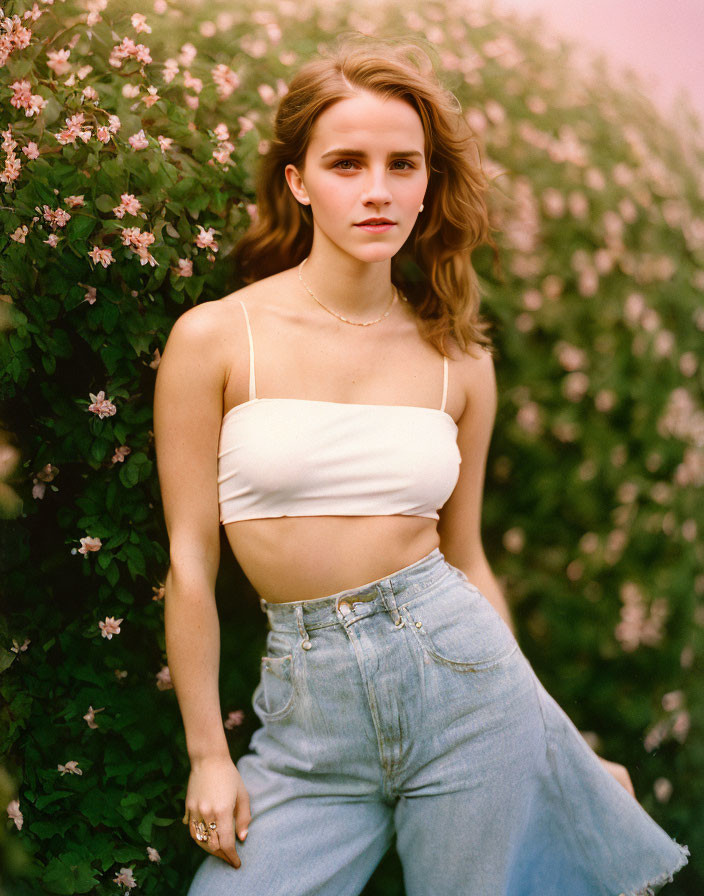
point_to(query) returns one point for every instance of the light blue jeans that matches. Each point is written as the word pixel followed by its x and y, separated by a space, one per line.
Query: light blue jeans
pixel 407 706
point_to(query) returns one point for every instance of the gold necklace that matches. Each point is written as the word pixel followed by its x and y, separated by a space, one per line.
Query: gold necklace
pixel 357 323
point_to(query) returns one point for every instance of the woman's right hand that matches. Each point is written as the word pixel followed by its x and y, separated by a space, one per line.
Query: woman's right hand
pixel 216 792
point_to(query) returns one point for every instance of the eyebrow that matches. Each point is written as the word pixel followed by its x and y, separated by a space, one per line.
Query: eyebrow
pixel 362 155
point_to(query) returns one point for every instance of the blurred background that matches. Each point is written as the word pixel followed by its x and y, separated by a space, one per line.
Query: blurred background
pixel 661 41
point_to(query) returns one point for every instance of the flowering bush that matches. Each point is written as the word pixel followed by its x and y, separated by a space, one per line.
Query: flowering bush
pixel 129 146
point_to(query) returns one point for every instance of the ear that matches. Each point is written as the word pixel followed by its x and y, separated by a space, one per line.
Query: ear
pixel 295 182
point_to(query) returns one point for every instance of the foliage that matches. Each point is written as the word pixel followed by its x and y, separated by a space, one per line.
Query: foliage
pixel 591 520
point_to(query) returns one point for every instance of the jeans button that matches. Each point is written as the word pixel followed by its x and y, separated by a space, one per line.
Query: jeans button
pixel 345 608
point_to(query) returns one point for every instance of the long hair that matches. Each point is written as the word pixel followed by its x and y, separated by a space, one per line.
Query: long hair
pixel 434 268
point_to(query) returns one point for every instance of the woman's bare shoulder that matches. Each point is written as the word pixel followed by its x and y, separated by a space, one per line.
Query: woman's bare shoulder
pixel 263 291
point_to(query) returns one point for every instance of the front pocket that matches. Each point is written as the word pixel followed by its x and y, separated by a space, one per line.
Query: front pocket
pixel 273 697
pixel 458 627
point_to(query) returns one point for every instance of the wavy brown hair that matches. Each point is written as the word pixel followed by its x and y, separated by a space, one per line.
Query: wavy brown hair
pixel 434 268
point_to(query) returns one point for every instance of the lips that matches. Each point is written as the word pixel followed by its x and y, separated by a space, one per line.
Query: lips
pixel 374 221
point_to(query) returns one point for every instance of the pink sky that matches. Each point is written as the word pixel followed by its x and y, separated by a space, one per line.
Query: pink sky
pixel 661 39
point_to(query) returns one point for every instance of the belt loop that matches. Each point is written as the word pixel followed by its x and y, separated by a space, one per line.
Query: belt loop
pixel 389 599
pixel 305 643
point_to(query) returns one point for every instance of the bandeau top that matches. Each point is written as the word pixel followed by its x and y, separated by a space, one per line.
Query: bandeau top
pixel 304 457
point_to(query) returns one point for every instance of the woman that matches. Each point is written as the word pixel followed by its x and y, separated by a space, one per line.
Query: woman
pixel 335 416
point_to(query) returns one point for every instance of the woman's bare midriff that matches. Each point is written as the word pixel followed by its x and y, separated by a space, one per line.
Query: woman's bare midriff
pixel 296 350
pixel 304 558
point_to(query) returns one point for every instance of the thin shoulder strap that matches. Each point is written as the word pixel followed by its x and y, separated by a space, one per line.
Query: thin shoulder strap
pixel 444 383
pixel 252 384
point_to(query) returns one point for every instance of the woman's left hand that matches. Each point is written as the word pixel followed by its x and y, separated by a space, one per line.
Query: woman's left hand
pixel 620 772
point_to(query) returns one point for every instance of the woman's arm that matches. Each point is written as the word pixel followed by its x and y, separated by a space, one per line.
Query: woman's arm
pixel 460 519
pixel 187 418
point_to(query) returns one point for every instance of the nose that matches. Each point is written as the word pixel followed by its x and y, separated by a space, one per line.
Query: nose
pixel 376 189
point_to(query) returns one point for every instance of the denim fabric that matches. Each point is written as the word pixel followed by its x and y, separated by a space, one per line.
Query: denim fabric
pixel 407 706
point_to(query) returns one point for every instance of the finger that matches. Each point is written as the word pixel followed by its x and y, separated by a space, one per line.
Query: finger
pixel 226 834
pixel 243 815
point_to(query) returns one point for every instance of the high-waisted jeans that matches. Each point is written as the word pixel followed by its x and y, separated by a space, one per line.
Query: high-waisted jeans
pixel 407 706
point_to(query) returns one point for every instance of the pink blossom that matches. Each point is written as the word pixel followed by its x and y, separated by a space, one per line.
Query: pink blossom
pixel 170 70
pixel 205 239
pixel 662 787
pixel 71 766
pixel 159 592
pixel 234 719
pixel 156 359
pixel 164 142
pixel 129 50
pixel 74 130
pixel 246 124
pixel 88 544
pixel 251 210
pixel 103 134
pixel 163 679
pixel 102 406
pixel 23 98
pixel 221 132
pixel 101 256
pixel 57 61
pixel 121 453
pixel 90 716
pixel 139 23
pixel 529 418
pixel 153 854
pixel 20 648
pixel 90 94
pixel 222 154
pixel 12 169
pixel 75 201
pixel 31 150
pixel 267 93
pixel 226 80
pixel 184 269
pixel 38 490
pixel 191 101
pixel 90 295
pixel 129 204
pixel 138 140
pixel 110 627
pixel 192 83
pixel 48 473
pixel 19 235
pixel 188 54
pixel 52 240
pixel 152 98
pixel 588 282
pixel 125 878
pixel 56 217
pixel 13 812
pixel 16 37
pixel 514 539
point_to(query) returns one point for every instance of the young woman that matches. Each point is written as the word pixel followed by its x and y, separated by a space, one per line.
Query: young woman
pixel 335 416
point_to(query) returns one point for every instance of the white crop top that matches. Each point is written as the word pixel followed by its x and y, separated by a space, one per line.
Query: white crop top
pixel 304 457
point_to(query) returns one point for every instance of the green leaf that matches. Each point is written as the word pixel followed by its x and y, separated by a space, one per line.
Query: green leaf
pixel 64 876
pixel 49 363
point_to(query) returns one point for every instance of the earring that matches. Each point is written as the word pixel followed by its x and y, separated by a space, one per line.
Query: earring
pixel 421 207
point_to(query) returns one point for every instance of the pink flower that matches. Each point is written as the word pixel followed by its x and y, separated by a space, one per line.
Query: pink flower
pixel 102 406
pixel 57 61
pixel 153 854
pixel 126 878
pixel 128 49
pixel 267 93
pixel 103 134
pixel 194 84
pixel 138 140
pixel 221 132
pixel 31 150
pixel 156 359
pixel 71 766
pixel 52 240
pixel 38 490
pixel 234 719
pixel 184 269
pixel 110 627
pixel 19 235
pixel 204 240
pixel 90 716
pixel 662 787
pixel 163 679
pixel 152 98
pixel 128 204
pixel 170 70
pixel 226 79
pixel 164 142
pixel 139 23
pixel 90 295
pixel 121 453
pixel 13 812
pixel 75 201
pixel 159 591
pixel 101 256
pixel 88 544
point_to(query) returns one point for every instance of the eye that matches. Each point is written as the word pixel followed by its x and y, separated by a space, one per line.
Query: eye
pixel 404 162
pixel 341 162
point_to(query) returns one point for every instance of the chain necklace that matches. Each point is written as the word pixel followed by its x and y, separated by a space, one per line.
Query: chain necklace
pixel 366 323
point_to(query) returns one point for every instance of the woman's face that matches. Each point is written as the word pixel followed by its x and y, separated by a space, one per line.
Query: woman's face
pixel 365 160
